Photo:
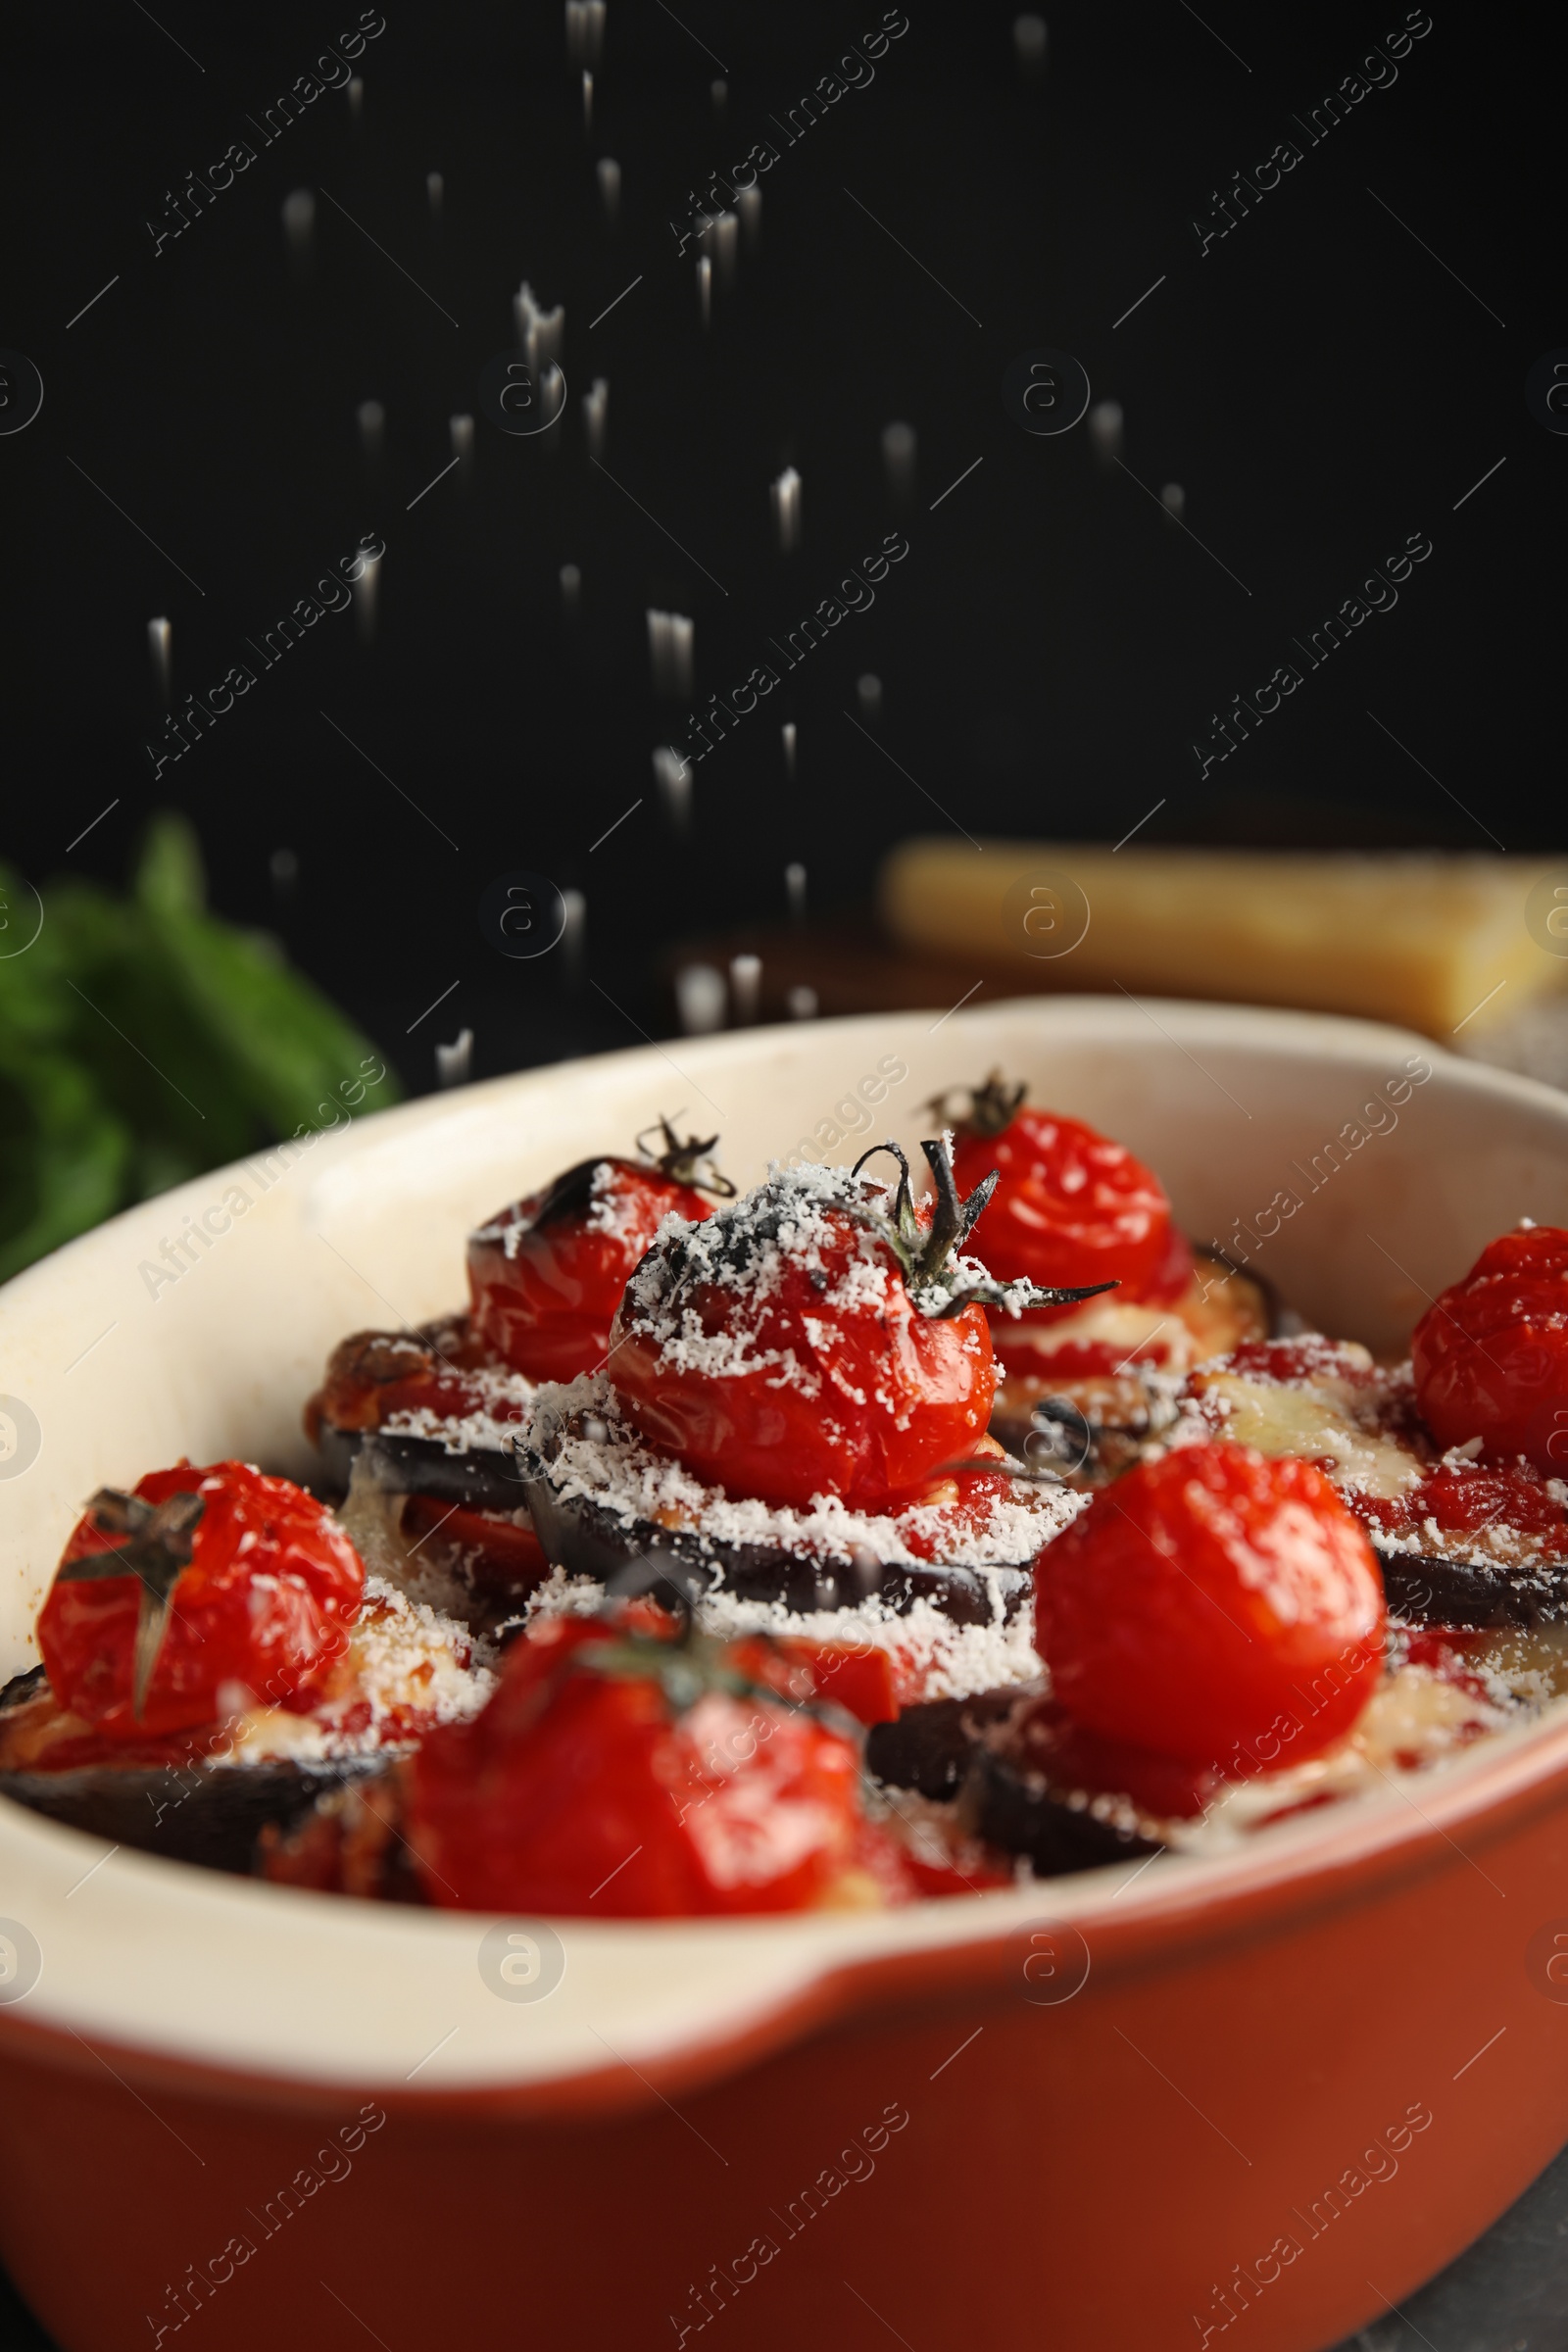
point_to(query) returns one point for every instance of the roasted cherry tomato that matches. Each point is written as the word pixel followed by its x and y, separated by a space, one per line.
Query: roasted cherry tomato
pixel 619 1773
pixel 1072 1207
pixel 440 1369
pixel 1491 1354
pixel 500 1551
pixel 546 1275
pixel 1216 1605
pixel 779 1350
pixel 256 1615
pixel 861 1680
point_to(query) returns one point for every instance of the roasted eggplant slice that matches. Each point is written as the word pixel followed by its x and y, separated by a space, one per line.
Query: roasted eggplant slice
pixel 480 1479
pixel 351 1842
pixel 973 1751
pixel 931 1748
pixel 208 1812
pixel 1089 1425
pixel 1461 1541
pixel 641 1558
pixel 1019 1813
pixel 630 1555
pixel 1431 1587
pixel 432 1408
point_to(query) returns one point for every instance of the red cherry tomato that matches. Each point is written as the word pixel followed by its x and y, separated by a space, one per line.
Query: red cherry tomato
pixel 259 1616
pixel 781 1355
pixel 588 1787
pixel 1215 1606
pixel 504 1560
pixel 1072 1207
pixel 1464 1499
pixel 973 1869
pixel 546 1275
pixel 374 1375
pixel 1491 1354
pixel 862 1681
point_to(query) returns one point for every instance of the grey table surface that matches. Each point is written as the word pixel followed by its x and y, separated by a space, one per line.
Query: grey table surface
pixel 1508 2293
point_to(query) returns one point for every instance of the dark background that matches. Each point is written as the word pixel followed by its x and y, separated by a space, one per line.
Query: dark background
pixel 1319 383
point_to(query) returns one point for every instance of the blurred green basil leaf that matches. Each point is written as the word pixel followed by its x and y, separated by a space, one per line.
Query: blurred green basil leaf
pixel 144 1040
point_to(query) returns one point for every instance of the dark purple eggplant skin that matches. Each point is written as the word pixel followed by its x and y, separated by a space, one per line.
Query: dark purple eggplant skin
pixel 1425 1588
pixel 941 1750
pixel 1056 1839
pixel 210 1813
pixel 639 1558
pixel 483 1480
pixel 930 1747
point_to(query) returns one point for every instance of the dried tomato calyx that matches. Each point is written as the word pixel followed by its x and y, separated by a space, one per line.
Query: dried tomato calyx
pixel 159 1540
pixel 686 1669
pixel 685 1160
pixel 992 1105
pixel 688 1666
pixel 925 1253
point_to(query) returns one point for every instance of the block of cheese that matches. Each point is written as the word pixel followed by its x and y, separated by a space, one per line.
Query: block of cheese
pixel 1437 940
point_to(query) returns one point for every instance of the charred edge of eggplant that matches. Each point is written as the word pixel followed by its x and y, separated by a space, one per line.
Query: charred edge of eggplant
pixel 347 1843
pixel 485 1481
pixel 22 1687
pixel 943 1749
pixel 206 1812
pixel 929 1747
pixel 1024 1817
pixel 1426 1588
pixel 587 1541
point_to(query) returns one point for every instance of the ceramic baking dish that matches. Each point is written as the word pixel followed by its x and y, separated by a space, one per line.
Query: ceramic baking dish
pixel 1255 2098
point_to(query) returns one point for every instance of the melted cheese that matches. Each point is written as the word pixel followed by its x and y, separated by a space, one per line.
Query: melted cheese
pixel 1412 1722
pixel 1319 1425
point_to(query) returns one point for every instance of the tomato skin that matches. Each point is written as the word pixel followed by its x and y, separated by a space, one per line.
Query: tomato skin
pixel 855 1392
pixel 546 1275
pixel 1491 1354
pixel 1215 1606
pixel 582 1794
pixel 502 1558
pixel 265 1605
pixel 861 1678
pixel 978 1869
pixel 1070 1756
pixel 374 1375
pixel 1072 1207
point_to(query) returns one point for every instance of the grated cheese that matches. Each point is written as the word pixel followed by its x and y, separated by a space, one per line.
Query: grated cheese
pixel 406 1669
pixel 506 1401
pixel 596 1457
pixel 935 1657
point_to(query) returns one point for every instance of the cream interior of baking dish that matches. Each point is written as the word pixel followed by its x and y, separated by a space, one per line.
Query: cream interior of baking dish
pixel 107 1370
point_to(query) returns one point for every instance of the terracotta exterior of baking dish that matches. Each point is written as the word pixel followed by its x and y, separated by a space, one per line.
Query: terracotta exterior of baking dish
pixel 1251 2100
